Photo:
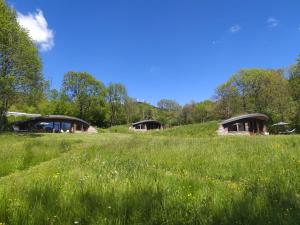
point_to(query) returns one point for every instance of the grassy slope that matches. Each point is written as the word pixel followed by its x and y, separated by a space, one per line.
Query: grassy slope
pixel 116 129
pixel 192 130
pixel 145 179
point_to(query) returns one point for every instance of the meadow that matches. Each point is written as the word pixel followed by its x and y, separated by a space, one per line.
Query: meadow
pixel 176 176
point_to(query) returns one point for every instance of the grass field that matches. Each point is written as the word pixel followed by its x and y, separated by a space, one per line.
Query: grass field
pixel 170 177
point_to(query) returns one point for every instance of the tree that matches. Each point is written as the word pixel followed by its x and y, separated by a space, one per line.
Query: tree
pixel 188 113
pixel 116 97
pixel 294 85
pixel 228 100
pixel 255 90
pixel 169 105
pixel 169 111
pixel 87 95
pixel 131 110
pixel 20 65
pixel 294 81
pixel 206 111
pixel 56 103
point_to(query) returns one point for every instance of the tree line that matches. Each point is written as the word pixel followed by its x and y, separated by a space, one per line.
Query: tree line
pixel 275 92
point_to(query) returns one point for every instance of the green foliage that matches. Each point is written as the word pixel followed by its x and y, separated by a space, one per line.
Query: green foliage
pixel 294 84
pixel 256 90
pixel 169 113
pixel 57 103
pixel 131 110
pixel 294 80
pixel 198 112
pixel 228 101
pixel 145 111
pixel 87 95
pixel 116 98
pixel 206 111
pixel 169 105
pixel 20 66
pixel 140 179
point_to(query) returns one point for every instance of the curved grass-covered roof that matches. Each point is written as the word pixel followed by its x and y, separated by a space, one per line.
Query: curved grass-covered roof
pixel 146 121
pixel 258 116
pixel 54 117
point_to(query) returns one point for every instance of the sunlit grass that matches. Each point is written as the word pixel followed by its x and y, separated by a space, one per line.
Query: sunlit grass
pixel 147 179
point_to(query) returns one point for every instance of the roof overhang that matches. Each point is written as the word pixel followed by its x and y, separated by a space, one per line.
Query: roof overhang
pixel 145 121
pixel 53 117
pixel 258 116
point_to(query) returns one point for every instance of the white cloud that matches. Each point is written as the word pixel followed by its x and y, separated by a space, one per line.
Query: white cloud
pixel 37 27
pixel 272 22
pixel 235 28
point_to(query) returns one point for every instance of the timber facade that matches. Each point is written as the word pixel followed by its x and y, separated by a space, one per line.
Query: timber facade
pixel 146 125
pixel 248 124
pixel 53 124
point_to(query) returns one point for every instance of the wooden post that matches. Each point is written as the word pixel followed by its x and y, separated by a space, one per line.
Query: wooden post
pixel 247 127
pixel 265 128
pixel 257 127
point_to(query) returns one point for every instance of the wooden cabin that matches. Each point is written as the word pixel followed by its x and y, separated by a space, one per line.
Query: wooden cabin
pixel 248 124
pixel 53 124
pixel 146 125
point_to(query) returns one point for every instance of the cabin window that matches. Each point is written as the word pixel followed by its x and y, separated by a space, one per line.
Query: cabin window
pixel 232 128
pixel 236 127
pixel 44 126
pixel 66 126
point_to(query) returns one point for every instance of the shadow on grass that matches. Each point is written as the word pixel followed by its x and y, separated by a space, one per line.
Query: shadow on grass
pixel 258 205
pixel 267 204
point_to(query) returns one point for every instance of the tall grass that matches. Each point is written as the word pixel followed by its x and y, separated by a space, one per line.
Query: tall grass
pixel 207 129
pixel 19 152
pixel 145 179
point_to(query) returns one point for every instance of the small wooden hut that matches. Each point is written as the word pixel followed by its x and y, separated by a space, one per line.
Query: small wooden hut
pixel 248 124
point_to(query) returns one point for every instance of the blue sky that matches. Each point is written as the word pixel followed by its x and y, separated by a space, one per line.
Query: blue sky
pixel 175 49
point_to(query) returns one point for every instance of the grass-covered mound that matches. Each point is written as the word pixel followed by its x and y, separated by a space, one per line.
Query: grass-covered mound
pixel 207 129
pixel 140 179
